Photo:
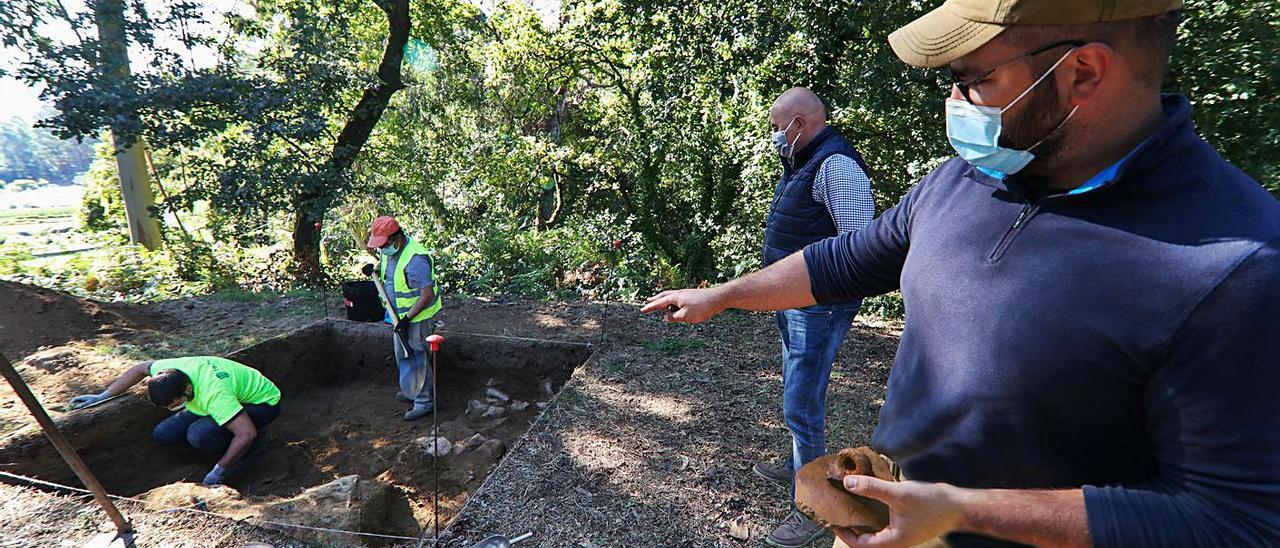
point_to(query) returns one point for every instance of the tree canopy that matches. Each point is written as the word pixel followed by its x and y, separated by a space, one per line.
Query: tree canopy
pixel 611 147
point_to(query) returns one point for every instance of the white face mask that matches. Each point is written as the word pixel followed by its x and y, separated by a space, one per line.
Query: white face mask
pixel 974 131
pixel 785 149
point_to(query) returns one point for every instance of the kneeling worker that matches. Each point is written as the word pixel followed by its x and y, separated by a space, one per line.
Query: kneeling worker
pixel 221 405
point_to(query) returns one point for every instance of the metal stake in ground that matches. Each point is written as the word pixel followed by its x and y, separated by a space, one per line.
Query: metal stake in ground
pixel 123 528
pixel 435 341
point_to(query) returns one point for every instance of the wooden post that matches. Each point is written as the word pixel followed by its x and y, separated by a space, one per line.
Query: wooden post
pixel 64 447
pixel 135 184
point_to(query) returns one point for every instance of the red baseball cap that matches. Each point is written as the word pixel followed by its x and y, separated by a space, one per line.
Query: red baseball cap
pixel 382 228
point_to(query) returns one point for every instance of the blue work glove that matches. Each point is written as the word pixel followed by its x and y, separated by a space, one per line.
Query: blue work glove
pixel 402 327
pixel 215 476
pixel 88 399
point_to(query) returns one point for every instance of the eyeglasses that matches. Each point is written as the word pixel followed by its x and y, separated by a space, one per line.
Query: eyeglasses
pixel 964 86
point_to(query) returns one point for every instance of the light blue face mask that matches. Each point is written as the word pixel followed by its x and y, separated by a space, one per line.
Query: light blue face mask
pixel 785 149
pixel 974 131
pixel 389 251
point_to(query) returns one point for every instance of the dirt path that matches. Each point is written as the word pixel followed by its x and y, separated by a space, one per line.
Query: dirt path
pixel 649 444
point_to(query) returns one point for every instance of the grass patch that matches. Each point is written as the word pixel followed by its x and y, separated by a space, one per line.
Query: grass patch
pixel 32 216
pixel 571 395
pixel 154 346
pixel 670 346
pixel 240 296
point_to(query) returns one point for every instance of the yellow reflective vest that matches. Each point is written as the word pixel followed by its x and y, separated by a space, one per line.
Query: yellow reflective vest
pixel 404 296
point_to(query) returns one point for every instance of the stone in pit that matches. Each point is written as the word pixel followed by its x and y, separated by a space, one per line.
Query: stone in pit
pixel 496 397
pixel 437 447
pixel 476 410
pixel 471 442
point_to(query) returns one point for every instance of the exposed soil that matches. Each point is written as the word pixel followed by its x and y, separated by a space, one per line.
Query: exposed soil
pixel 339 418
pixel 649 444
pixel 31 317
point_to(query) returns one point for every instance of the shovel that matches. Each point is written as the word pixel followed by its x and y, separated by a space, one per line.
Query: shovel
pixel 386 305
pixel 499 541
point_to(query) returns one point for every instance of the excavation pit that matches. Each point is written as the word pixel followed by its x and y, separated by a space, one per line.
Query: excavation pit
pixel 338 418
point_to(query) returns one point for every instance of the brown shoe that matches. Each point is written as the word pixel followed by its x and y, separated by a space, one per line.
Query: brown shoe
pixel 796 531
pixel 773 473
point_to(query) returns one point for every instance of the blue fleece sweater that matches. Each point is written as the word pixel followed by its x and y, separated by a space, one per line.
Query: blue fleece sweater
pixel 1125 340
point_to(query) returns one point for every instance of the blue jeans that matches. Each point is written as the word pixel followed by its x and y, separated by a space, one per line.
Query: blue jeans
pixel 205 434
pixel 810 338
pixel 415 373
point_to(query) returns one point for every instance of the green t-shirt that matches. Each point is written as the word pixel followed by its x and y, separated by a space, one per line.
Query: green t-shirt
pixel 221 385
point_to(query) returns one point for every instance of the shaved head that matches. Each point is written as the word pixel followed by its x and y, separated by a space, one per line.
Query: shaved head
pixel 801 102
pixel 800 113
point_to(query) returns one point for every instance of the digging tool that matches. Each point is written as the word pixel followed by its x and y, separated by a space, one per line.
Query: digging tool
pixel 499 541
pixel 391 310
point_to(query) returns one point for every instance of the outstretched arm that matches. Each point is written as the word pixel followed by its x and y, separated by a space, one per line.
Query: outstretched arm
pixel 130 377
pixel 783 285
pixel 849 266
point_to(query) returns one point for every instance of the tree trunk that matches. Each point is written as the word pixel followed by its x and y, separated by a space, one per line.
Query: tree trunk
pixel 313 203
pixel 135 184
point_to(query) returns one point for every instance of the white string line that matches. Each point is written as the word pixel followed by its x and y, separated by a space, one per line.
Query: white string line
pixel 198 511
pixel 450 331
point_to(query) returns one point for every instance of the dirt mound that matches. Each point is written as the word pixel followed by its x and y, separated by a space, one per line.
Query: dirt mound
pixel 31 317
pixel 348 503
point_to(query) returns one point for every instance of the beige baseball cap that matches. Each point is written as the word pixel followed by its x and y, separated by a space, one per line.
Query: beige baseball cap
pixel 960 26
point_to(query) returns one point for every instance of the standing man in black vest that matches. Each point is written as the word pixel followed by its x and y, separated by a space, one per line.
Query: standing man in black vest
pixel 824 191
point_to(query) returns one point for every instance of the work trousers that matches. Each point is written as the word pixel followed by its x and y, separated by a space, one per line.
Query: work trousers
pixel 205 434
pixel 415 372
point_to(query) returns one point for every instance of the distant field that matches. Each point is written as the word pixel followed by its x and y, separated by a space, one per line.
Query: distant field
pixel 36 216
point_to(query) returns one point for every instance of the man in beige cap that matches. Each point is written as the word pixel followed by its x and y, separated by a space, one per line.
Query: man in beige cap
pixel 1089 354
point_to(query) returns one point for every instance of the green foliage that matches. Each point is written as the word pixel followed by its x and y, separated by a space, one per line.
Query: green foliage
pixel 645 131
pixel 12 255
pixel 102 207
pixel 1225 61
pixel 649 119
pixel 888 305
pixel 522 149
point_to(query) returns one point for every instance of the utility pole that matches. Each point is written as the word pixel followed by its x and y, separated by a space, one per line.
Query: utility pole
pixel 135 183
